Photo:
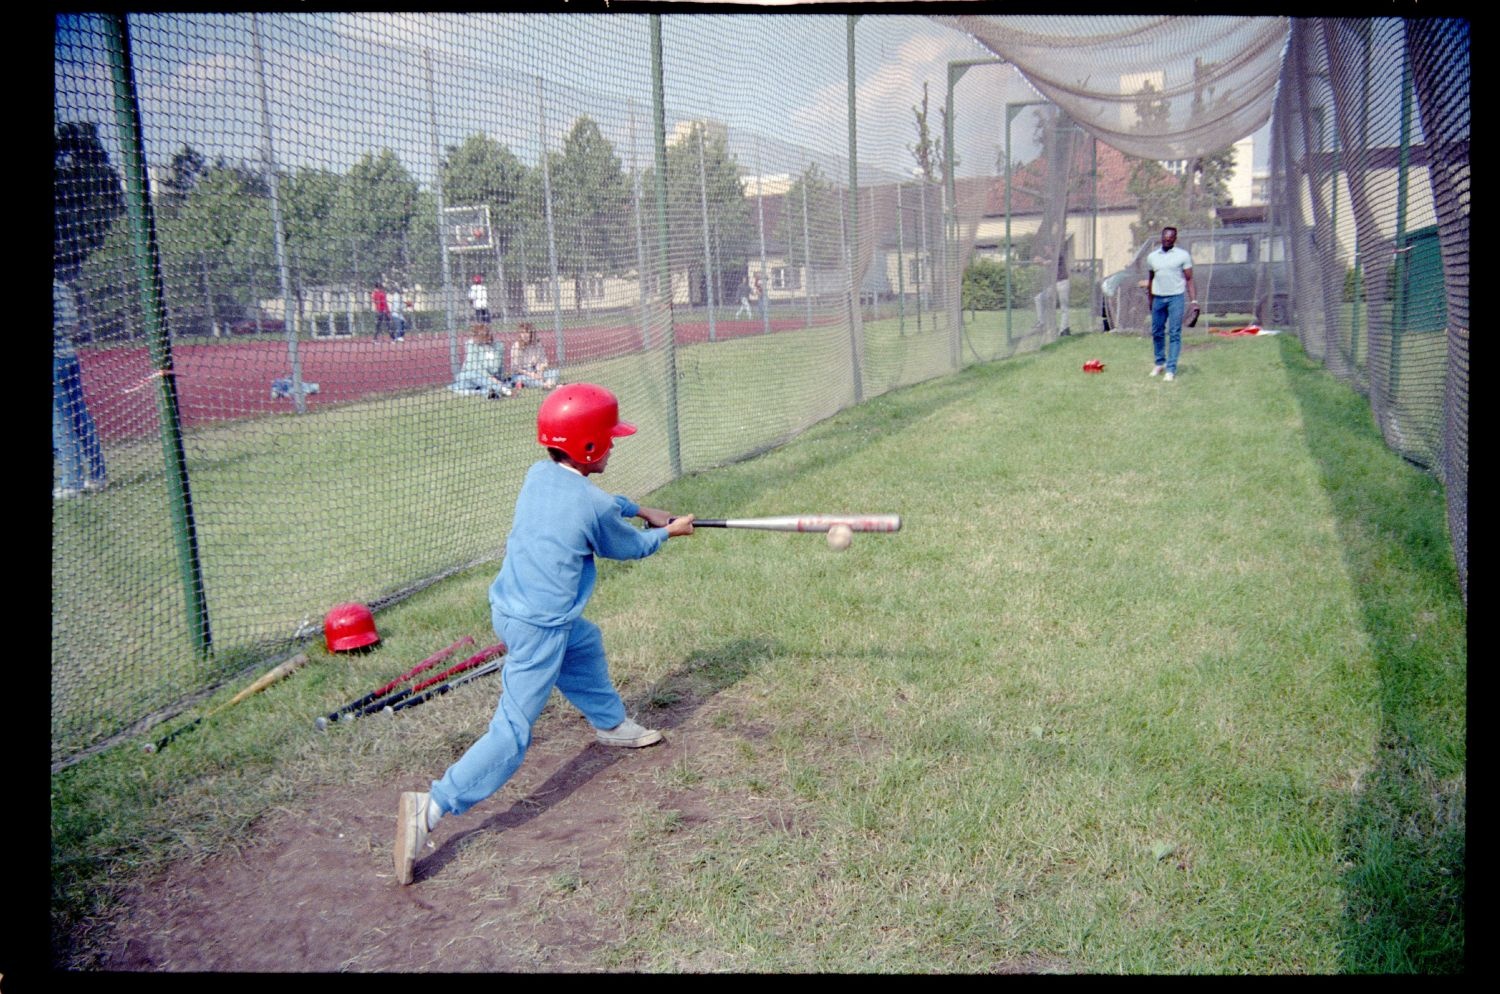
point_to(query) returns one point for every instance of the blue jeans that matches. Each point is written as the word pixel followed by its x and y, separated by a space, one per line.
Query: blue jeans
pixel 473 383
pixel 570 658
pixel 74 437
pixel 1166 329
pixel 547 380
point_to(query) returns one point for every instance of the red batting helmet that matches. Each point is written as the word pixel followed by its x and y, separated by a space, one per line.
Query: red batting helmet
pixel 581 419
pixel 349 626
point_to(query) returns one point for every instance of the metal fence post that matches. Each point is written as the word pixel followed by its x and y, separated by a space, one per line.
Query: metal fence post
pixel 663 272
pixel 557 328
pixel 153 303
pixel 765 272
pixel 640 236
pixel 437 183
pixel 268 154
pixel 708 259
pixel 853 239
pixel 900 262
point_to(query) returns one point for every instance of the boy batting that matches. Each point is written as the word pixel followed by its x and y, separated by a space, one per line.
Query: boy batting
pixel 562 522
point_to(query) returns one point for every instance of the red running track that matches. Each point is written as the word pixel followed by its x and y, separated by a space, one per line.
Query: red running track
pixel 228 381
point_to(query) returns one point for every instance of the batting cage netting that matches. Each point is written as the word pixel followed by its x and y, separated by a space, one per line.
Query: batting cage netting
pixel 313 273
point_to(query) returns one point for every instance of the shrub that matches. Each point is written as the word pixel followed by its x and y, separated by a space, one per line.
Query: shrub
pixel 984 285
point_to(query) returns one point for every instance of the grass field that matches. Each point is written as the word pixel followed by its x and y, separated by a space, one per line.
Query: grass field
pixel 1157 678
pixel 361 500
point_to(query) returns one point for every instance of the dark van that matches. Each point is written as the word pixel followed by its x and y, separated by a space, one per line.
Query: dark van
pixel 1241 269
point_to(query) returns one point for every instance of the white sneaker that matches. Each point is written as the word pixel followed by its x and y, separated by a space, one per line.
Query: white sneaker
pixel 1170 377
pixel 628 735
pixel 1157 370
pixel 411 833
pixel 59 493
pixel 94 486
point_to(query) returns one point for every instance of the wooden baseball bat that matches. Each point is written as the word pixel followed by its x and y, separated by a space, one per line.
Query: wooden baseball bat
pixel 808 522
pixel 283 670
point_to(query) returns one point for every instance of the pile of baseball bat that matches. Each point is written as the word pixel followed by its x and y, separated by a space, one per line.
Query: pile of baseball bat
pixel 390 698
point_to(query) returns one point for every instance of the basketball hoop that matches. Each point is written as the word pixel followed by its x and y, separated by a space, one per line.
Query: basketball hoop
pixel 468 228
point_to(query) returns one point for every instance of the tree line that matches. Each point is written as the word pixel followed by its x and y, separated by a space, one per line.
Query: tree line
pixel 216 234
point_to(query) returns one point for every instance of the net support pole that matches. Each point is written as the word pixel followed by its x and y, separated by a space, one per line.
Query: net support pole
pixel 437 186
pixel 640 234
pixel 1096 265
pixel 765 272
pixel 149 284
pixel 950 214
pixel 1334 171
pixel 859 390
pixel 663 271
pixel 708 258
pixel 924 258
pixel 557 328
pixel 877 259
pixel 1011 110
pixel 952 279
pixel 268 161
pixel 806 256
pixel 1010 292
pixel 900 264
pixel 1361 297
pixel 499 269
pixel 1403 187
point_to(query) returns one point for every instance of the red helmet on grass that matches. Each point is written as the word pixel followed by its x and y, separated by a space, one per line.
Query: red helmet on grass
pixel 582 420
pixel 349 626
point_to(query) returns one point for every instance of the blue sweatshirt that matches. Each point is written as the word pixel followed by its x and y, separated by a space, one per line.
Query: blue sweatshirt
pixel 562 522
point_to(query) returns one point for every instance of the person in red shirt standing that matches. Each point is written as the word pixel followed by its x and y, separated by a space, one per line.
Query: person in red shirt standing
pixel 382 310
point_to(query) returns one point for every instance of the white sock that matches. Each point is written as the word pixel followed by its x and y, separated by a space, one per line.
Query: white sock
pixel 433 814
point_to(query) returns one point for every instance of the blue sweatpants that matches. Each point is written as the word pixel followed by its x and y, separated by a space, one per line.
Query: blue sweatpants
pixel 570 658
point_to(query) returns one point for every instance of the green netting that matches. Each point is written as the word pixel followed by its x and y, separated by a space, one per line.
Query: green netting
pixel 272 359
pixel 1371 156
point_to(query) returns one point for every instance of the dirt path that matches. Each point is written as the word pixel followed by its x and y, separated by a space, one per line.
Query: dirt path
pixel 531 880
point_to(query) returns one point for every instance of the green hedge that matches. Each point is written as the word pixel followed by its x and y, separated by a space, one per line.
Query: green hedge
pixel 984 285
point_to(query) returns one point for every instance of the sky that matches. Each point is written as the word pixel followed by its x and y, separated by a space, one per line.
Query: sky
pixel 338 85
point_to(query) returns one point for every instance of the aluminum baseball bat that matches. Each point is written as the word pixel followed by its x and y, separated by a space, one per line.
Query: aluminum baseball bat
pixel 432 660
pixel 443 688
pixel 478 658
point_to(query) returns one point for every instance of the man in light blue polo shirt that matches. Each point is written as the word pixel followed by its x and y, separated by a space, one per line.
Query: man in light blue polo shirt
pixel 1169 288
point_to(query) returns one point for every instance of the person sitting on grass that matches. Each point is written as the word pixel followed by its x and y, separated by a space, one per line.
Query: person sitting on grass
pixel 528 361
pixel 483 371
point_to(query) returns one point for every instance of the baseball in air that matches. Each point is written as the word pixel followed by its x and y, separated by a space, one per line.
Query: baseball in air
pixel 839 537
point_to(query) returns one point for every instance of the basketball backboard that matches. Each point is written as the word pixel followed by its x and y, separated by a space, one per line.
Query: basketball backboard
pixel 467 229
